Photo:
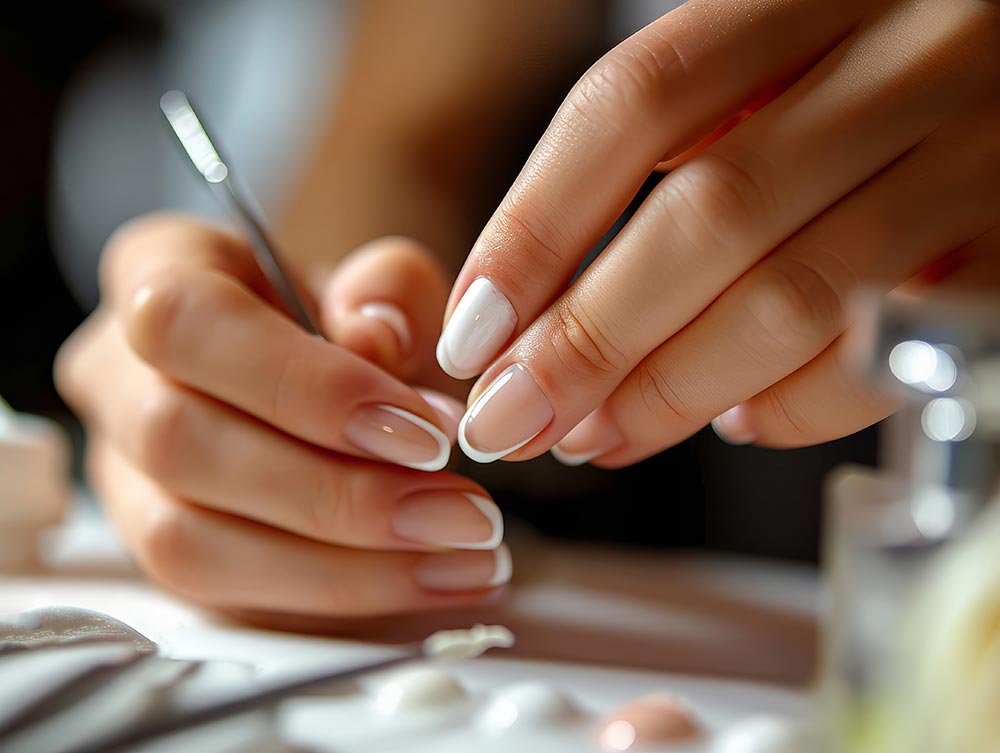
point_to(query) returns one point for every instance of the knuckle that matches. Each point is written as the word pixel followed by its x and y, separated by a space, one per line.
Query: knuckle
pixel 716 201
pixel 166 549
pixel 526 219
pixel 660 397
pixel 583 346
pixel 168 313
pixel 794 309
pixel 337 510
pixel 632 77
pixel 154 319
pixel 163 427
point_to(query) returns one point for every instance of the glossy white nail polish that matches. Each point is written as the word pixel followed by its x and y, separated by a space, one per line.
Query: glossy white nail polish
pixel 483 321
pixel 503 566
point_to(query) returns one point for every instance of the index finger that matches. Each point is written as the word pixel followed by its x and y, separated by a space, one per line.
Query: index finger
pixel 185 312
pixel 655 94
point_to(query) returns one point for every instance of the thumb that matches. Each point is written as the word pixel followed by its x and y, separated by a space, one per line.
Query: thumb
pixel 385 302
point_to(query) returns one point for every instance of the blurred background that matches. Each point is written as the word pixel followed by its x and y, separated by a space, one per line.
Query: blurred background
pixel 86 150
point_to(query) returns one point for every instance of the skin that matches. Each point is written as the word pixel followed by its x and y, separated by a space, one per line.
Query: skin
pixel 215 425
pixel 870 157
pixel 869 161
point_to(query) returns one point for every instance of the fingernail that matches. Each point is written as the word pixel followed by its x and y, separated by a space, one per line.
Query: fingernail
pixel 734 427
pixel 396 435
pixel 464 571
pixel 509 414
pixel 482 323
pixel 394 318
pixel 451 519
pixel 594 436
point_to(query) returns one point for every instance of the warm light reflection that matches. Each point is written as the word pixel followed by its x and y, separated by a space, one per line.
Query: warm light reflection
pixel 948 419
pixel 618 736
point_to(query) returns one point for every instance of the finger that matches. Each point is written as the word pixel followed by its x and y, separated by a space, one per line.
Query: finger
pixel 202 450
pixel 660 91
pixel 718 215
pixel 831 397
pixel 792 305
pixel 828 398
pixel 229 563
pixel 157 243
pixel 204 328
pixel 385 303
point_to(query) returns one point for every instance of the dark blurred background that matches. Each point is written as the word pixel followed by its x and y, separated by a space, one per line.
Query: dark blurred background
pixel 68 68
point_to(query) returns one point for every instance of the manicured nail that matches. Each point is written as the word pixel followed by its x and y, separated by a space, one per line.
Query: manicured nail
pixel 396 435
pixel 509 414
pixel 451 519
pixel 594 436
pixel 483 321
pixel 464 571
pixel 394 318
pixel 734 426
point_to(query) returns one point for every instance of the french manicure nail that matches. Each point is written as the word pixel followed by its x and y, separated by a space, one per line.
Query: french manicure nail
pixel 734 426
pixel 509 414
pixel 451 519
pixel 482 322
pixel 594 436
pixel 464 571
pixel 394 318
pixel 396 435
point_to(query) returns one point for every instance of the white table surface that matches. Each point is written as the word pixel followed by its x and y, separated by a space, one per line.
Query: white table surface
pixel 732 636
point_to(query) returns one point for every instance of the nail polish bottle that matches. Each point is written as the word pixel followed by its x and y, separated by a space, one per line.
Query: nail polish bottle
pixel 891 532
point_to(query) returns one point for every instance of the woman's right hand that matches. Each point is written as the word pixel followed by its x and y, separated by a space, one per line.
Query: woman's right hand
pixel 252 467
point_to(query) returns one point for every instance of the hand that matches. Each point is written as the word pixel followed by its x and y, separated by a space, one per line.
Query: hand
pixel 870 157
pixel 239 456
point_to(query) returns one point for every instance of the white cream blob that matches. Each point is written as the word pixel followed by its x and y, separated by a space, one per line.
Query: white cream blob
pixel 417 688
pixel 455 645
pixel 527 704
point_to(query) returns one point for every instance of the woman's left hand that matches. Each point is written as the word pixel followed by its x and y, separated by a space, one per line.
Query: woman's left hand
pixel 872 157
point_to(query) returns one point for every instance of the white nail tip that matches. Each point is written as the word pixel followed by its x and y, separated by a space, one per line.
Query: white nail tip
pixel 478 455
pixel 572 459
pixel 492 513
pixel 720 432
pixel 503 567
pixel 440 460
pixel 482 322
pixel 393 317
pixel 441 352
